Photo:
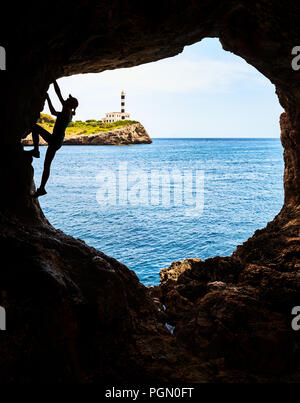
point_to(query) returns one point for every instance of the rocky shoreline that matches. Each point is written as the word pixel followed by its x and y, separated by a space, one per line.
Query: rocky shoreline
pixel 126 135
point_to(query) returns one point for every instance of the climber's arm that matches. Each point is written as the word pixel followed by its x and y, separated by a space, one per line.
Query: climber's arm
pixel 58 93
pixel 52 110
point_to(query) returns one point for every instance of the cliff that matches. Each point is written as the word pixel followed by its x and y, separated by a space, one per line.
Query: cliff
pixel 131 134
pixel 76 315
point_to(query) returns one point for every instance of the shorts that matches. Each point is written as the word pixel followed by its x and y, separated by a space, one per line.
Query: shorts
pixel 54 141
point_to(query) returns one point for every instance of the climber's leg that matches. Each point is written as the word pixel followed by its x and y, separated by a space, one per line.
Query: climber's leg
pixel 50 154
pixel 36 132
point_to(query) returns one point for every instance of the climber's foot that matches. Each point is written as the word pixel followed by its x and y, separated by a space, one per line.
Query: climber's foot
pixel 33 153
pixel 39 192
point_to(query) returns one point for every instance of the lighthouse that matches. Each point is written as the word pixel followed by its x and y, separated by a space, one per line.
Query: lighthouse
pixel 123 104
pixel 111 117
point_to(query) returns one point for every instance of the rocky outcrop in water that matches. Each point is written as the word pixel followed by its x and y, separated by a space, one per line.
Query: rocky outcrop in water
pixel 238 309
pixel 131 134
pixel 75 315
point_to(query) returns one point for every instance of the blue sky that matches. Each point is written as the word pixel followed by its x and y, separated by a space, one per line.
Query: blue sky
pixel 202 92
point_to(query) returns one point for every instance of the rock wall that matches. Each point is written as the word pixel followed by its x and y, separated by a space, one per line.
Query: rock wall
pixel 131 134
pixel 77 315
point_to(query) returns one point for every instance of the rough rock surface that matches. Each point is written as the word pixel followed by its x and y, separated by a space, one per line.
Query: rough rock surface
pixel 131 134
pixel 77 315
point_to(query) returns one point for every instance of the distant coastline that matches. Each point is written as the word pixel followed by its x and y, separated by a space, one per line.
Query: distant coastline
pixel 93 132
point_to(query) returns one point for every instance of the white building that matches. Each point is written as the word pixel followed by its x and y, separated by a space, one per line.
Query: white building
pixel 111 117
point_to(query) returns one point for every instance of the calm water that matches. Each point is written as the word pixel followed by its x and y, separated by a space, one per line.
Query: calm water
pixel 242 192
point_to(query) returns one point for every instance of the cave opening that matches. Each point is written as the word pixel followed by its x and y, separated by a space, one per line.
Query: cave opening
pixel 204 106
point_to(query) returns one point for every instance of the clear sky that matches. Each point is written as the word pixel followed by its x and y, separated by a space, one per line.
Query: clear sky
pixel 202 92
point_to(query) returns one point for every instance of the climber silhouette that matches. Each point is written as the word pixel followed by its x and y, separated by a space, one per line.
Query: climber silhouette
pixel 54 140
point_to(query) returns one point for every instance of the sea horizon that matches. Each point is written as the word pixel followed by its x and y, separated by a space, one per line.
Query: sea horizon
pixel 216 138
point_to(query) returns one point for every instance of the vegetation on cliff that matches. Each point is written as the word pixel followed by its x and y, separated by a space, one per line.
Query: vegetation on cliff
pixel 80 127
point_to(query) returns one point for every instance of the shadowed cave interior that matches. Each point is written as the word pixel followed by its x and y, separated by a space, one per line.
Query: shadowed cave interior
pixel 76 315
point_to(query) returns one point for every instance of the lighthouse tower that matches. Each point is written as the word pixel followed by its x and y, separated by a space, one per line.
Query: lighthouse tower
pixel 111 117
pixel 123 105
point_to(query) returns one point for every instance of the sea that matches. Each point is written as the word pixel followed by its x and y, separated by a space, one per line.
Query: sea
pixel 152 204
